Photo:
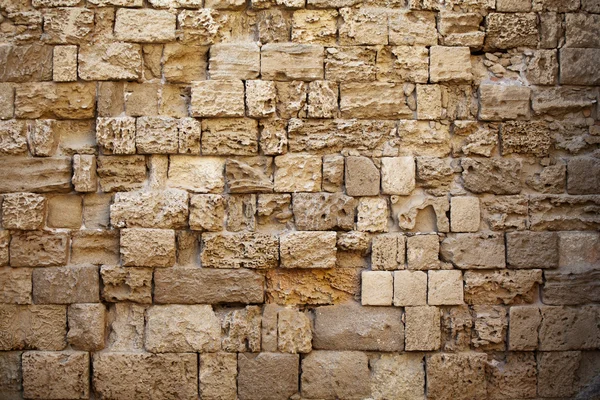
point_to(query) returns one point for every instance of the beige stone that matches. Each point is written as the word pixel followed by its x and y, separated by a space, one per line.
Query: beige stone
pixel 290 61
pixel 557 373
pixel 7 97
pixel 92 246
pixel 315 27
pixel 38 249
pixel 237 250
pixel 96 210
pixel 373 100
pixel 219 98
pixel 456 376
pixel 577 66
pixel 429 102
pixel 64 64
pixel 153 209
pixel 87 324
pixel 126 284
pixel 54 100
pixel 207 212
pixel 158 26
pixel 462 29
pixel 397 376
pixel 569 328
pixel 532 249
pixel 464 214
pixel 397 175
pixel 68 25
pixel 51 375
pixel 273 137
pixel 108 61
pixel 490 327
pixel 516 376
pixel 423 328
pixel 218 376
pixel 410 288
pixel 12 375
pixel 333 173
pixel 422 252
pixel 445 288
pixel 40 327
pixel 323 211
pixel 4 247
pixel 523 328
pixel 388 252
pixel 184 63
pixel 422 138
pixel 376 288
pixel 450 64
pixel 23 211
pixel 474 251
pixel 147 247
pixel 157 135
pixel 230 136
pixel 494 175
pixel 241 329
pixel 410 28
pixel 294 333
pixel 13 136
pixel 116 135
pixel 373 215
pixel 322 99
pixel 27 62
pixel 308 250
pixel 64 211
pixel 267 376
pixel 501 287
pixel 505 31
pixel 364 25
pixel 42 138
pixel 350 63
pixel 298 173
pixel 84 173
pixel 15 285
pixel 66 285
pixel 196 174
pixel 504 102
pixel 361 177
pixel 260 98
pixel 234 61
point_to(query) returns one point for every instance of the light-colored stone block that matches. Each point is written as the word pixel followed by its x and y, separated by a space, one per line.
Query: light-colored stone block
pixel 377 288
pixel 397 175
pixel 410 288
pixel 465 214
pixel 218 98
pixel 445 288
pixel 308 249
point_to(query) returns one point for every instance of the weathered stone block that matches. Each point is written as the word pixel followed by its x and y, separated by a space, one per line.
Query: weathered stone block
pixel 37 175
pixel 532 249
pixel 397 175
pixel 294 333
pixel 55 100
pixel 583 175
pixel 474 251
pixel 410 288
pixel 153 209
pixel 422 252
pixel 249 174
pixel 411 28
pixel 333 173
pixel 38 249
pixel 490 327
pixel 577 66
pixel 362 177
pixel 308 250
pixel 372 214
pixel 87 324
pixel 456 376
pixel 84 173
pixel 464 214
pixel 230 137
pixel 503 102
pixel 422 138
pixel 147 247
pixel 523 329
pixel 15 286
pixel 445 288
pixel 501 287
pixel 13 137
pixel 95 247
pixel 68 25
pixel 236 250
pixel 322 99
pixel 568 328
pixel 33 327
pixel 207 212
pixel 268 376
pixel 350 63
pixel 461 29
pixel 23 211
pixel 373 100
pixel 110 61
pixel 234 61
pixel 506 31
pixel 66 285
pixel 363 25
pixel 526 138
pixel 338 211
pixel 557 213
pixel 513 377
pixel 11 377
pixel 376 288
pixel 494 175
pixel 196 174
pixel 290 61
pixel 219 98
pixel 116 135
pixel 157 135
pixel 48 375
pixel 218 376
pixel 64 211
pixel 260 98
pixel 298 173
pixel 450 64
pixel 241 329
pixel 423 329
pixel 158 26
pixel 315 26
pixel 126 284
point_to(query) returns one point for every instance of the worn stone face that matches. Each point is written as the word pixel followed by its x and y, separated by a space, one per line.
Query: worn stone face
pixel 521 254
pixel 450 64
pixel 505 31
pixel 234 61
pixel 290 61
pixel 497 176
pixel 474 251
pixel 235 250
pixel 308 250
pixel 56 375
pixel 65 285
pixel 159 26
pixel 504 102
pixel 126 284
pixel 456 376
pixel 39 327
pixel 104 62
pixel 397 376
pixel 501 287
pixel 230 137
pixel 267 376
pixel 218 373
pixel 147 247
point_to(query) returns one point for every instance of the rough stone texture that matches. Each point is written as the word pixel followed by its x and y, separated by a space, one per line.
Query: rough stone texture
pixel 38 175
pixel 111 61
pixel 501 287
pixel 449 64
pixel 410 288
pixel 456 376
pixel 87 323
pixel 308 250
pixel 523 330
pixel 235 250
pixel 230 137
pixel 323 211
pixel 565 328
pixel 514 377
pixel 126 284
pixel 196 174
pixel 377 288
pixel 373 100
pixel 532 249
pixel 269 376
pixel 15 285
pixel 23 211
pixel 290 61
pixel 161 209
pixel 474 251
pixel 147 247
pixel 397 376
pixel 66 285
pixel 423 330
pixel 504 102
pixel 298 173
pixel 464 214
pixel 490 327
pixel 294 333
pixel 40 327
pixel 38 249
pixel 422 252
pixel 233 60
pixel 218 373
pixel 497 176
pixel 505 31
pixel 218 99
pixel 159 26
pixel 48 375
pixel 444 288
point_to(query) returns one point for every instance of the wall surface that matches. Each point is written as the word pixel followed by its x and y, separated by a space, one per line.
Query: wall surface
pixel 300 199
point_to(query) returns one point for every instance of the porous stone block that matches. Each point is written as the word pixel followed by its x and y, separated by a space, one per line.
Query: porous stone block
pixel 273 137
pixel 236 250
pixel 13 136
pixel 494 175
pixel 182 328
pixel 557 373
pixel 195 285
pixel 323 211
pixel 377 288
pixel 38 175
pixel 403 63
pixel 11 377
pixel 291 61
pixel 532 249
pixel 450 64
pixel 261 98
pixel 159 26
pixel 308 250
pixel 377 100
pixel 410 288
pixel 397 376
pixel 268 376
pixel 26 62
pixel 91 246
pixel 207 212
pixel 126 284
pixel 350 63
pixel 38 249
pixel 332 374
pixel 388 252
pixel 37 327
pixel 322 99
pixel 15 285
pixel 445 288
pixel 423 328
pixel 569 328
pixel 350 326
pixel 294 334
pixel 490 327
pixel 474 251
pixel 157 135
pixel 64 63
pixel 583 175
pixel 110 61
pixel 218 98
pixel 577 66
pixel 66 285
pixel 121 173
pixel 411 28
pixel 152 209
pixel 526 138
pixel 429 102
pixel 315 27
pixel 502 286
pixel 64 211
pixel 116 135
pixel 464 214
pixel 147 247
pixel 523 328
pixel 123 376
pixel 49 375
pixel 218 376
pixel 23 211
pixel 249 175
pixel 397 175
pixel 510 30
pixel 422 252
pixel 196 174
pixel 456 376
pixel 298 173
pixel 241 329
pixel 234 61
pixel 363 25
pixel 230 137
pixel 84 173
pixel 87 324
pixel 55 100
pixel 362 177
pixel 500 102
pixel 68 25
pixel 512 377
pixel 461 29
pixel 184 63
pixel 373 215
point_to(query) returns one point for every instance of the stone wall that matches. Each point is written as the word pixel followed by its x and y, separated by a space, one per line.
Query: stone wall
pixel 290 199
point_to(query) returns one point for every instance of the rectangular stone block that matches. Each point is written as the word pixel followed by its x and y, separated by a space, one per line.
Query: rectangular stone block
pixel 504 102
pixel 501 287
pixel 577 66
pixel 422 252
pixel 583 175
pixel 474 251
pixel 184 63
pixel 87 325
pixel 7 101
pixel 373 100
pixel 493 175
pixel 26 63
pixel 64 64
pixel 158 26
pixel 410 28
pixel 39 249
pixel 450 64
pixel 364 25
pixel 196 174
pixel 398 375
pixel 377 288
pixel 557 373
pixel 462 29
pixel 532 249
pixel 15 286
pixel 157 135
pixel 410 288
pixel 569 328
pixel 11 377
pixel 84 173
pixel 298 173
pixel 49 375
pixel 207 286
pixel 508 30
pixel 308 250
pixel 388 252
pixel 315 26
pixel 38 175
pixel 444 288
pixel 218 98
pixel 558 213
pixel 23 211
pixel 234 61
pixel 239 250
pixel 147 247
pixel 230 137
pixel 464 214
pixel 267 376
pixel 526 138
pixel 523 328
pixel 456 376
pixel 164 209
pixel 290 61
pixel 68 25
pixel 90 246
pixel 126 284
pixel 123 376
pixel 116 135
pixel 55 100
pixel 13 137
pixel 490 328
pixel 33 327
pixel 64 211
pixel 66 285
pixel 350 63
pixel 423 328
pixel 218 376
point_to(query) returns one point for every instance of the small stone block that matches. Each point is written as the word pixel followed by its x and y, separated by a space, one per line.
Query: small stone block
pixel 377 288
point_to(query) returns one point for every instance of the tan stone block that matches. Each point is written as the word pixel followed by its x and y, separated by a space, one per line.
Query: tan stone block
pixel 157 135
pixel 315 27
pixel 13 137
pixel 456 376
pixel 87 323
pixel 49 375
pixel 364 25
pixel 64 64
pixel 502 286
pixel 110 61
pixel 111 99
pixel 376 288
pixel 217 98
pixel 184 63
pixel 388 252
pixel 11 377
pixel 273 137
pixel 422 252
pixel 577 66
pixel 542 67
pixel 330 374
pixel 397 376
pixel 514 377
pixel 397 175
pixel 532 249
pixel 66 285
pixel 423 331
pixel 324 211
pixel 474 251
pixel 96 210
pixel 189 136
pixel 333 173
pixel 490 328
pixel 4 247
pixel 125 375
pixel 410 288
pixel 147 247
pixel 410 28
pixel 267 375
pixel 373 215
pixel 230 61
pixel 403 64
pixel 218 376
pixel 42 137
pixel 121 173
pixel 7 101
pixel 142 98
pixel 423 138
pixel 294 334
pixel 445 288
pixel 116 135
pixel 291 99
pixel 429 102
pixel 230 136
pixel 55 100
pixel 260 98
pixel 373 100
pixel 38 249
pixel 464 214
pixel 308 250
pixel 64 211
pixel 494 175
pixel 350 63
pixel 557 373
pixel 508 30
pixel 68 25
pixel 290 61
pixel 241 329
pixel 523 328
pixel 249 175
pixel 158 26
pixel 126 284
pixel 274 210
pixel 322 99
pixel 236 250
pixel 569 328
pixel 450 64
pixel 15 286
pixel 208 26
pixel 298 173
pixel 504 102
pixel 33 327
pixel 23 211
pixel 84 173
pixel 150 209
pixel 196 174
pixel 207 212
pixel 362 177
pixel 26 63
pixel 461 29
pixel 125 327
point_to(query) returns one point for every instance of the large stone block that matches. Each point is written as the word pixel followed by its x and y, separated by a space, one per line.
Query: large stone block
pixel 474 251
pixel 87 325
pixel 351 326
pixel 489 328
pixel 363 25
pixel 583 175
pixel 268 376
pixel 68 25
pixel 523 329
pixel 154 209
pixel 444 288
pixel 147 247
pixel 91 246
pixel 315 26
pixel 558 213
pixel 501 287
pixel 234 61
pixel 13 136
pixel 218 376
pixel 241 329
pixel 126 284
pixel 294 333
pixel 450 64
pixel 423 328
pixel 350 63
pixel 11 375
pixel 39 249
pixel 494 175
pixel 196 174
pixel 38 175
pixel 410 288
pixel 236 250
pixel 397 376
pixel 412 28
pixel 377 288
pixel 308 250
pixel 456 376
pixel 218 98
pixel 230 137
pixel 249 175
pixel 23 211
pixel 397 175
pixel 323 211
pixel 298 173
pixel 570 288
pixel 195 285
pixel 207 212
pixel 290 61
pixel 110 61
pixel 569 328
pixel 500 102
pixel 26 63
pixel 526 138
pixel 532 249
pixel 66 285
pixel 506 31
pixel 157 26
pixel 557 373
pixel 15 285
pixel 577 66
pixel 373 100
pixel 157 135
pixel 33 327
pixel 55 100
pixel 49 375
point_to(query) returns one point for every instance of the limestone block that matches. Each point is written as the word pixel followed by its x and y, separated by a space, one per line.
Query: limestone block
pixel 55 100
pixel 237 250
pixel 350 63
pixel 570 287
pixel 373 100
pixel 462 29
pixel 411 28
pixel 526 138
pixel 397 376
pixel 561 100
pixel 7 97
pixel 501 287
pixel 182 328
pixel 551 212
pixel 157 135
pixel 207 212
pixel 189 136
pixel 323 211
pixel 514 377
pixel 291 99
pixel 373 215
pixel 490 327
pixel 397 175
pixel 291 61
pixel 218 376
pixel 158 26
pixel 15 285
pixel 68 25
pixel 260 98
pixel 66 285
pixel 506 31
pixel 273 25
pixel 583 175
pixel 267 376
pixel 84 173
pixel 422 252
pixel 13 137
pixel 196 174
pixel 147 247
pixel 577 66
pixel 116 135
pixel 96 210
pixel 504 102
pixel 126 284
pixel 450 64
pixel 38 249
pixel 184 63
pixel 274 210
pixel 456 376
pixel 423 138
pixel 350 326
pixel 322 99
pixel 523 328
pixel 126 375
pixel 376 288
pixel 64 64
pixel 294 333
pixel 207 26
pixel 423 331
pixel 403 63
pixel 410 288
pixel 457 326
pixel 87 323
pixel 542 67
pixel 445 288
pixel 429 102
pixel 110 61
pixel 234 61
pixel 362 177
pixel 315 27
pixel 273 137
pixel 494 175
pixel 532 249
pixel 363 25
pixel 333 173
pixel 33 327
pixel 474 251
pixel 4 247
pixel 298 173
pixel 464 214
pixel 49 375
pixel 150 209
pixel 12 375
pixel 218 98
pixel 568 328
pixel 557 373
pixel 142 98
pixel 249 175
pixel 26 63
pixel 230 137
pixel 23 211
pixel 435 174
pixel 308 250
pixel 331 374
pixel 241 329
pixel 64 211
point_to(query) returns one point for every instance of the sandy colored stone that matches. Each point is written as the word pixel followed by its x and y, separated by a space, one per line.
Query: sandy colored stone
pixel 241 329
pixel 218 98
pixel 68 25
pixel 23 211
pixel 582 175
pixel 323 211
pixel 64 63
pixel 474 251
pixel 298 173
pixel 450 64
pixel 4 247
pixel 290 61
pixel 505 212
pixel 314 26
pixel 410 288
pixel 523 328
pixel 147 247
pixel 294 333
pixel 65 285
pixel 410 28
pixel 13 136
pixel 182 328
pixel 429 102
pixel 350 63
pixel 26 63
pixel 542 67
pixel 494 175
pixel 207 212
pixel 125 327
pixel 54 100
pixel 126 284
pixel 234 61
pixel 48 375
pixel 157 135
pixel 550 212
pixel 84 173
pixel 87 324
pixel 249 175
pixel 422 252
pixel 503 102
pixel 559 101
pixel 445 288
pixel 38 249
pixel 260 98
pixel 110 61
pixel 333 173
pixel 490 327
pixel 532 249
pixel 116 135
pixel 569 328
pixel 158 26
pixel 526 138
pixel 322 99
pixel 397 175
pixel 37 327
pixel 153 209
pixel 92 246
pixel 267 376
pixel 15 285
pixel 308 250
pixel 456 376
pixel 196 174
pixel 7 95
pixel 373 100
pixel 422 138
pixel 184 63
pixel 472 138
pixel 501 287
pixel 464 214
pixel 96 210
pixel 515 376
pixel 376 288
pixel 64 211
pixel 461 29
pixel 557 373
pixel 361 177
pixel 332 374
pixel 195 285
pixel 363 25
pixel 373 215
pixel 11 377
pixel 505 31
pixel 396 376
pixel 423 330
pixel 236 250
pixel 577 66
pixel 273 137
pixel 218 376
pixel 230 136
pixel 37 175
pixel 122 376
